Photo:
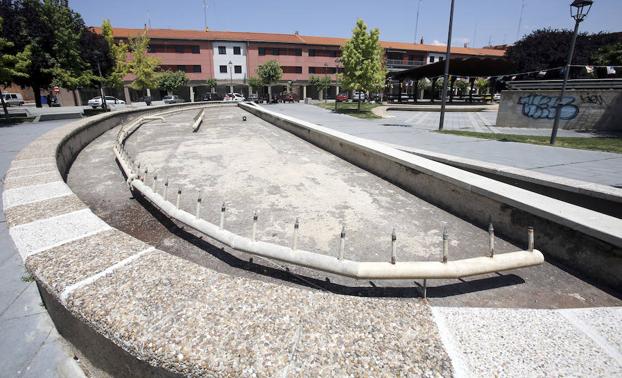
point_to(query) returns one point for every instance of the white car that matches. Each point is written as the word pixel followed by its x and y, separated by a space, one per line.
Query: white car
pixel 234 97
pixel 13 99
pixel 496 97
pixel 96 102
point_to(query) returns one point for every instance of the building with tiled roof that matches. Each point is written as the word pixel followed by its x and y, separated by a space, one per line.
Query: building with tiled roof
pixel 233 57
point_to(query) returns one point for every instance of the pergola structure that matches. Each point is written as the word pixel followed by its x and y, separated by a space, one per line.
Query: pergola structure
pixel 470 67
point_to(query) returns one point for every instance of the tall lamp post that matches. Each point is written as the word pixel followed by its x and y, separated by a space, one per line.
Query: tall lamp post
pixel 578 10
pixel 231 76
pixel 325 76
pixel 446 74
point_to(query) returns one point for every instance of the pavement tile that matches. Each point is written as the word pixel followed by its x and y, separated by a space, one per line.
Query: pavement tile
pixel 34 193
pixel 11 182
pixel 522 343
pixel 43 209
pixel 72 262
pixel 21 340
pixel 37 236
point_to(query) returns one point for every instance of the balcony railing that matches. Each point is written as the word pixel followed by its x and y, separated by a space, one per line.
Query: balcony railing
pixel 405 63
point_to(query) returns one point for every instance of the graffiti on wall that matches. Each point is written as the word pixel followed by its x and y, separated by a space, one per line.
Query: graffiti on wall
pixel 594 99
pixel 543 107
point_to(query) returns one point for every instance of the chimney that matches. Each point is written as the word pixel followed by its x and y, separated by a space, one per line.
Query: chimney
pixel 466 44
pixel 421 40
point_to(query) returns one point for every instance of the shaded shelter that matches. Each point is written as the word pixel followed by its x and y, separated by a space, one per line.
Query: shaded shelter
pixel 471 67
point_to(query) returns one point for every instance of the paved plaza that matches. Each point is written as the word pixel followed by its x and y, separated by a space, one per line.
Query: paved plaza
pixel 415 130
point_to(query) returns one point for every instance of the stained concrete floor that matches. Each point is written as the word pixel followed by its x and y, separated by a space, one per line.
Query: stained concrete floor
pixel 255 166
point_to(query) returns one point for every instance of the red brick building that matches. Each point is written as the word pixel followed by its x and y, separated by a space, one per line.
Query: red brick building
pixel 232 57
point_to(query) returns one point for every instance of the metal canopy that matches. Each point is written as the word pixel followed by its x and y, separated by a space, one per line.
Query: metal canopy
pixel 467 67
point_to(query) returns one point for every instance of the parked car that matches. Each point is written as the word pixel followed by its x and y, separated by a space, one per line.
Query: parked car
pixel 287 97
pixel 96 102
pixel 173 99
pixel 359 96
pixel 234 97
pixel 253 97
pixel 212 97
pixel 342 97
pixel 13 99
pixel 496 97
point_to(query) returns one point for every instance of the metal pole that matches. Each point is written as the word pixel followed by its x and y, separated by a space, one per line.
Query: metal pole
pixel 101 88
pixel 558 108
pixel 446 74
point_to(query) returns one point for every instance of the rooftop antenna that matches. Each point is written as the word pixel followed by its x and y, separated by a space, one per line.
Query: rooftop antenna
pixel 474 36
pixel 520 19
pixel 205 15
pixel 417 21
pixel 148 19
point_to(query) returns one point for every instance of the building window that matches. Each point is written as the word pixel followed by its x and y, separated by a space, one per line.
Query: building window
pixel 222 50
pixel 323 70
pixel 431 59
pixel 275 52
pixel 262 51
pixel 177 49
pixel 223 69
pixel 237 69
pixel 292 69
pixel 196 68
pixel 324 53
pixel 237 50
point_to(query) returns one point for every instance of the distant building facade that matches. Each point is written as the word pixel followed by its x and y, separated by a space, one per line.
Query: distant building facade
pixel 233 57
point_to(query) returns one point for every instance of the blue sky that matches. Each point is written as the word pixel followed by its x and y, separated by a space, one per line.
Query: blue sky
pixel 480 21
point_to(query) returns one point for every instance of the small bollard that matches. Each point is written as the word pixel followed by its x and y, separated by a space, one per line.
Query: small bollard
pixel 198 214
pixel 223 208
pixel 145 176
pixel 295 241
pixel 530 239
pixel 153 183
pixel 254 235
pixel 491 240
pixel 166 189
pixel 445 244
pixel 178 197
pixel 244 118
pixel 393 247
pixel 342 242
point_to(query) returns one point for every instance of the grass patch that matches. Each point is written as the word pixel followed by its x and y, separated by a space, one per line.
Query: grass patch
pixel 608 144
pixel 351 109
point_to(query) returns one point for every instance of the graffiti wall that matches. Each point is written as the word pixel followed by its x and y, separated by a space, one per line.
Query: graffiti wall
pixel 579 110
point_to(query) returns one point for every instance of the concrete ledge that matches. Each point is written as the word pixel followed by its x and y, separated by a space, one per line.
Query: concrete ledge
pixel 602 198
pixel 584 240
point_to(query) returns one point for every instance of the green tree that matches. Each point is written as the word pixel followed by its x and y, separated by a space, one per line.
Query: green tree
pixel 462 86
pixel 548 48
pixel 270 72
pixel 482 85
pixel 255 83
pixel 118 52
pixel 211 83
pixel 610 55
pixel 362 59
pixel 142 66
pixel 11 66
pixel 321 83
pixel 171 80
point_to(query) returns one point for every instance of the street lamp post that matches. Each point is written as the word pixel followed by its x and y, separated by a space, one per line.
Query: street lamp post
pixel 231 76
pixel 578 10
pixel 446 74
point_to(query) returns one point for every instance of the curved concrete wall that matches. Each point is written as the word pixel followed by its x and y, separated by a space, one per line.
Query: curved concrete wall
pixel 135 311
